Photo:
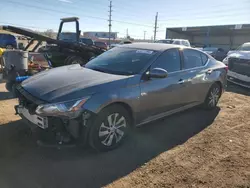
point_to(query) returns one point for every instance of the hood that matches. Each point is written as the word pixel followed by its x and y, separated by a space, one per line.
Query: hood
pixel 70 82
pixel 240 54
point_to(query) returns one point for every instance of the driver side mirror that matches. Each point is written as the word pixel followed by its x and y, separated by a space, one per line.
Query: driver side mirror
pixel 158 73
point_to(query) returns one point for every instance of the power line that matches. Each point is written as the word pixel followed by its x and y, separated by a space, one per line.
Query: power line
pixel 93 17
pixel 162 9
pixel 48 9
pixel 131 23
pixel 228 12
pixel 197 19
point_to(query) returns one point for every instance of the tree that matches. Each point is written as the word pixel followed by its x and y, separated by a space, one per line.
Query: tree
pixel 49 33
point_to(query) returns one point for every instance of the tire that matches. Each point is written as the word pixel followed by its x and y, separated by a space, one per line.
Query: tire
pixel 212 97
pixel 9 85
pixel 103 136
pixel 75 60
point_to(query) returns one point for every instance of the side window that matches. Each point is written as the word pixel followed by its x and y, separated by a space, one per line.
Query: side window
pixel 10 37
pixel 192 59
pixel 169 60
pixel 186 43
pixel 204 58
pixel 177 42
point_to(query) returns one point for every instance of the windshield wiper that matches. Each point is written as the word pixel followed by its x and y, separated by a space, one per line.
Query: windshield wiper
pixel 98 69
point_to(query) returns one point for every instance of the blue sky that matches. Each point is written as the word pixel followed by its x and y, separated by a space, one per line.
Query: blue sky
pixel 137 16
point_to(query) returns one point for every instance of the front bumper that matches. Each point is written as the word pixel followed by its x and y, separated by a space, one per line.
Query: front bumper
pixel 238 79
pixel 58 131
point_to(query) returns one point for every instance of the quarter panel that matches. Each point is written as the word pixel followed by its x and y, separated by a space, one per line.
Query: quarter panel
pixel 206 80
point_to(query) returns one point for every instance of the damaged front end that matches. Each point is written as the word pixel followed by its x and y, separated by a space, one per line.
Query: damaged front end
pixel 58 123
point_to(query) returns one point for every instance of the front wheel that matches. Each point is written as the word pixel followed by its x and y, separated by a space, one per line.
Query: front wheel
pixel 110 128
pixel 213 97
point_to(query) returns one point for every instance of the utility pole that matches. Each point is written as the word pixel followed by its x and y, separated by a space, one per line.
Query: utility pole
pixel 145 35
pixel 127 33
pixel 155 28
pixel 110 15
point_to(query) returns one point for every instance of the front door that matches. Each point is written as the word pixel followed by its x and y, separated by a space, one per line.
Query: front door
pixel 160 95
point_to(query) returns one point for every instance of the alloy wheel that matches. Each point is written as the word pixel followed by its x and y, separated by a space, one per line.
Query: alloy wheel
pixel 112 130
pixel 214 96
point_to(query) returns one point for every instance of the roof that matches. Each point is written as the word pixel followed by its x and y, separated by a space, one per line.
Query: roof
pixel 151 46
pixel 218 30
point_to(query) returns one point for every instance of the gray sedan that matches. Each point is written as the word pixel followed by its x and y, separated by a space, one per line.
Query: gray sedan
pixel 127 86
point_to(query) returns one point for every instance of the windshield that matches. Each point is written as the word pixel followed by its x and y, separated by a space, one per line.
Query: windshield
pixel 244 47
pixel 210 49
pixel 120 60
pixel 71 37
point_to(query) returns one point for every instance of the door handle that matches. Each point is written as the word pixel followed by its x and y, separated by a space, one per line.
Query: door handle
pixel 209 71
pixel 181 81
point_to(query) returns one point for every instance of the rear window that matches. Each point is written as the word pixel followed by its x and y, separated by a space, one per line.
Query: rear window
pixel 192 59
pixel 177 42
pixel 165 41
pixel 204 58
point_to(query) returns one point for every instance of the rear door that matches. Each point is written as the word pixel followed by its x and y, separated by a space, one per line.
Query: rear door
pixel 193 75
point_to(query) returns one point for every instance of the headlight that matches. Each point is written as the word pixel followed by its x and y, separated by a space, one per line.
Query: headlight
pixel 225 61
pixel 70 109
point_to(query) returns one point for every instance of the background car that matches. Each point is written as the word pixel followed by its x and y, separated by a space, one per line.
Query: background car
pixel 126 86
pixel 239 65
pixel 183 42
pixel 87 41
pixel 102 45
pixel 218 53
pixel 8 41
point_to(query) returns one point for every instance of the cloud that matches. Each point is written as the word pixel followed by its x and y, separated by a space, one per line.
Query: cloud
pixel 65 1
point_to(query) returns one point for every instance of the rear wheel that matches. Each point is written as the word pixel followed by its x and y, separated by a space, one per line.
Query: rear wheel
pixel 110 128
pixel 213 97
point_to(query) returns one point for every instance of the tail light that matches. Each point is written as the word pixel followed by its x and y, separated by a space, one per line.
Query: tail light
pixel 226 68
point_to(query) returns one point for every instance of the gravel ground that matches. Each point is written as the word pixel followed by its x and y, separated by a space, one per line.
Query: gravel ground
pixel 195 148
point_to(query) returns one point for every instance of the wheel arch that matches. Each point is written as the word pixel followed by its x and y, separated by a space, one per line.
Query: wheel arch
pixel 126 106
